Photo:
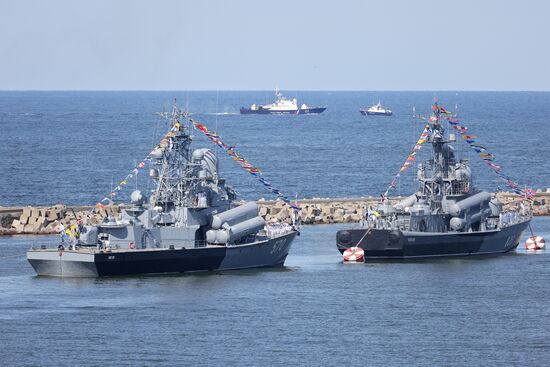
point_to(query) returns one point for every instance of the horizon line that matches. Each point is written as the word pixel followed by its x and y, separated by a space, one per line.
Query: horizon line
pixel 270 90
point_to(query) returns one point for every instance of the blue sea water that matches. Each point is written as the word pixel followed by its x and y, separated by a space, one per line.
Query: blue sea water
pixel 72 147
pixel 67 147
pixel 315 312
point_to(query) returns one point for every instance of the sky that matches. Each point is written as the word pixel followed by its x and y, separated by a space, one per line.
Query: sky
pixel 257 45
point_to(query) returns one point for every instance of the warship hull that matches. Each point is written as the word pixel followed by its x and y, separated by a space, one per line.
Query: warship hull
pixel 305 111
pixel 86 262
pixel 394 244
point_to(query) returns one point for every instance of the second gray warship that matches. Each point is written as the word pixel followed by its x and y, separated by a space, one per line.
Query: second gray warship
pixel 190 222
pixel 447 216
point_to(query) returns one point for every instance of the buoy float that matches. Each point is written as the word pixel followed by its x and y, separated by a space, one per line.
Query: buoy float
pixel 353 254
pixel 535 243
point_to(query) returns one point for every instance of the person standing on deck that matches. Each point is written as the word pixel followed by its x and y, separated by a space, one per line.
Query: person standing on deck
pixel 61 229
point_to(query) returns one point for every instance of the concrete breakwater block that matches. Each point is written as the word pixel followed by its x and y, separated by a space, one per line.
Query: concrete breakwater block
pixel 322 212
pixel 48 220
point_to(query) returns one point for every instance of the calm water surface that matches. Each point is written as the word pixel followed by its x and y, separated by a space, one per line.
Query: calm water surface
pixel 70 147
pixel 316 311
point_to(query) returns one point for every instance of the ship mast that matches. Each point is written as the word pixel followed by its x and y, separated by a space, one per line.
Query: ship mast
pixel 445 176
pixel 171 163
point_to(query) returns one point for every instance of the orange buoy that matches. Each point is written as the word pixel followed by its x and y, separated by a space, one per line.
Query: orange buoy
pixel 535 243
pixel 354 254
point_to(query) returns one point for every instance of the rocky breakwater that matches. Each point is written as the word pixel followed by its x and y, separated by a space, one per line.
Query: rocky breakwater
pixel 541 204
pixel 47 220
pixel 31 220
pixel 352 210
pixel 320 211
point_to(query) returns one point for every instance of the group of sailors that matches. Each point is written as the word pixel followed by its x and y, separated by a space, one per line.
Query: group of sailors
pixel 275 229
pixel 508 218
pixel 69 235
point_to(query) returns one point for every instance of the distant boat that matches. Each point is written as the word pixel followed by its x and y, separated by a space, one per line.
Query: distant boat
pixel 376 110
pixel 282 106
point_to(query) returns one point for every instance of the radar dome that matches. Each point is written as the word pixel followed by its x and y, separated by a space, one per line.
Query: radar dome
pixel 137 198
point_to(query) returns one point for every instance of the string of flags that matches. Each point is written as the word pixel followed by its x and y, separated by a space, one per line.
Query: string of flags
pixel 246 165
pixel 409 162
pixel 215 138
pixel 482 152
pixel 487 157
pixel 109 198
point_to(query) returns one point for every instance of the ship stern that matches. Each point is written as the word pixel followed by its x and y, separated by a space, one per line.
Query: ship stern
pixel 62 263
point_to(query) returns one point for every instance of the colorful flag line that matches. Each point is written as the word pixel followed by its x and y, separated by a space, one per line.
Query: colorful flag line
pixel 410 159
pixel 109 198
pixel 246 165
pixel 488 158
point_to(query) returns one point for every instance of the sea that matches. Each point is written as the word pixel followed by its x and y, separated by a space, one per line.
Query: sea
pixel 73 147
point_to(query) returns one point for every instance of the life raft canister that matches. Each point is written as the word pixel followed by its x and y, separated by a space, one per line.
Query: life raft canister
pixel 535 243
pixel 354 254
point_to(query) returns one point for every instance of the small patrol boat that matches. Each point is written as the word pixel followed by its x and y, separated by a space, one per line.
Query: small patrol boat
pixel 376 110
pixel 282 106
pixel 447 216
pixel 189 222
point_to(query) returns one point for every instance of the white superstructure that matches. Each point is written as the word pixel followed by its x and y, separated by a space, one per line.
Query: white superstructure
pixel 378 109
pixel 282 105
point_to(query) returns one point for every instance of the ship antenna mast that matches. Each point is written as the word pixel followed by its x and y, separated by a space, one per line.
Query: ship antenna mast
pixel 172 161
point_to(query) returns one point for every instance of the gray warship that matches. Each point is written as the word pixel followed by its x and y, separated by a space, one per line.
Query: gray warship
pixel 447 216
pixel 190 222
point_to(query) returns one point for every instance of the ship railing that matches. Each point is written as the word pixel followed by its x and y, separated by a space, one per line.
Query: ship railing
pixel 387 223
pixel 188 244
pixel 492 223
pixel 42 246
pixel 72 245
pixel 200 243
pixel 65 244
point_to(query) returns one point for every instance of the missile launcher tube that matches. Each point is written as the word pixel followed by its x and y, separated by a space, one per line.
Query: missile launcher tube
pixel 456 209
pixel 235 215
pixel 235 232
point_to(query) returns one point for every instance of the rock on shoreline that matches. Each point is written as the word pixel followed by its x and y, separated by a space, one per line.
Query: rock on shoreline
pixel 46 220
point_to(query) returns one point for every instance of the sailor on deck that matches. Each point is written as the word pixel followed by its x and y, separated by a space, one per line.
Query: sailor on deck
pixel 61 235
pixel 73 233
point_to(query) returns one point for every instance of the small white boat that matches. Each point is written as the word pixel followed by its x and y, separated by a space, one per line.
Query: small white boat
pixel 376 110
